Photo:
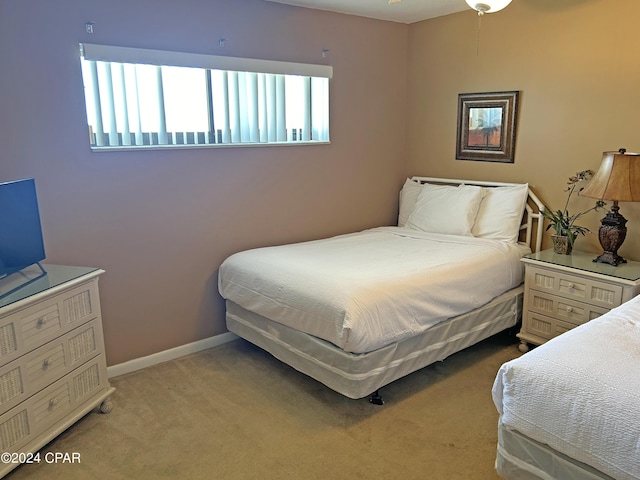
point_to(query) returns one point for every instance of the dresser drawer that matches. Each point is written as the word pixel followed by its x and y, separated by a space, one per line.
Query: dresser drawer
pixel 575 287
pixel 24 330
pixel 19 425
pixel 570 311
pixel 545 327
pixel 32 372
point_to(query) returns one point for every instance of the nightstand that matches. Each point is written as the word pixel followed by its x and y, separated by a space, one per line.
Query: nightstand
pixel 564 291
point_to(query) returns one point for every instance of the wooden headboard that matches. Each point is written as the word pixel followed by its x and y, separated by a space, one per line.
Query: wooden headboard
pixel 532 218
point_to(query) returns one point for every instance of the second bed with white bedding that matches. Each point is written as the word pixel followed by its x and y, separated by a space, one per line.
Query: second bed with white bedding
pixel 579 394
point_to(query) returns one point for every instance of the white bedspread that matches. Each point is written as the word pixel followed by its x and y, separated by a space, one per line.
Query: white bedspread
pixel 580 393
pixel 364 290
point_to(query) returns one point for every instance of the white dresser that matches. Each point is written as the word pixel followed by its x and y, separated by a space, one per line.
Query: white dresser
pixel 564 291
pixel 52 360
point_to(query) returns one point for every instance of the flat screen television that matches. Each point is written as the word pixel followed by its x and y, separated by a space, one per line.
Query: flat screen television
pixel 21 243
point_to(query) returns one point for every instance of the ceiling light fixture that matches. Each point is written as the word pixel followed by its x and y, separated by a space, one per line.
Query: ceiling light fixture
pixel 488 6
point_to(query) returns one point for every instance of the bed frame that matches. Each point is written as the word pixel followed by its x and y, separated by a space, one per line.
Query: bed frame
pixel 360 375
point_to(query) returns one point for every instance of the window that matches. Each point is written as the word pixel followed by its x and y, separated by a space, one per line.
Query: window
pixel 138 98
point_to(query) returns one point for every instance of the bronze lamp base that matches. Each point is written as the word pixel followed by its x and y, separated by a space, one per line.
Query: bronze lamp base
pixel 611 234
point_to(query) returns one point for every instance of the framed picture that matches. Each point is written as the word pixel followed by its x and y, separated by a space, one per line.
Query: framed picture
pixel 487 126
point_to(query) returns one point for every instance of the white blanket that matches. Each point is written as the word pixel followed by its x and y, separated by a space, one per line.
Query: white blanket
pixel 580 393
pixel 364 290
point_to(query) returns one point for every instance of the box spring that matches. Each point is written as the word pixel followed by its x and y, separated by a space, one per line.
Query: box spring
pixel 358 375
pixel 522 458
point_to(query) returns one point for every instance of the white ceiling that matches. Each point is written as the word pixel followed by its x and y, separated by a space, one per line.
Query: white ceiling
pixel 405 11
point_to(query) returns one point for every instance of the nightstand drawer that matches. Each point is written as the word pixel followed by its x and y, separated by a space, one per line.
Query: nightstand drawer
pixel 546 327
pixel 574 287
pixel 575 313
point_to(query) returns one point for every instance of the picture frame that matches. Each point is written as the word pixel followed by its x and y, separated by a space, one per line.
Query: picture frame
pixel 487 126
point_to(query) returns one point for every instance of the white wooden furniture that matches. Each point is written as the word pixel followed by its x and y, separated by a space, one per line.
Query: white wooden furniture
pixel 52 360
pixel 564 291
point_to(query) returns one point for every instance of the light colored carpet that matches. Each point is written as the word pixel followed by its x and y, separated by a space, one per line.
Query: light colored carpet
pixel 235 412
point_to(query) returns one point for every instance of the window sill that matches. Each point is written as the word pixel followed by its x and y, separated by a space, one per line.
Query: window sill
pixel 133 148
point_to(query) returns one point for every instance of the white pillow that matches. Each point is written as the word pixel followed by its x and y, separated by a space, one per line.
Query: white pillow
pixel 408 196
pixel 446 209
pixel 500 213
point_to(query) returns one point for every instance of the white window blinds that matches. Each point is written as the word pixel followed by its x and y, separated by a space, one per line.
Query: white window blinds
pixel 141 98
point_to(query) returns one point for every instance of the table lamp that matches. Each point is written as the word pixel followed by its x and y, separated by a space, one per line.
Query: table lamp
pixel 617 180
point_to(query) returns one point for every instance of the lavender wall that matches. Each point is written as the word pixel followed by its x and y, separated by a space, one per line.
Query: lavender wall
pixel 161 222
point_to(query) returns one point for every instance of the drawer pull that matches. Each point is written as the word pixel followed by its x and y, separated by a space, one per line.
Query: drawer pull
pixel 53 402
pixel 41 321
pixel 46 363
pixel 569 309
pixel 570 285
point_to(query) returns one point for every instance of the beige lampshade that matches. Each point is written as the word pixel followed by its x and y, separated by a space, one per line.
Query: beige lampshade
pixel 618 178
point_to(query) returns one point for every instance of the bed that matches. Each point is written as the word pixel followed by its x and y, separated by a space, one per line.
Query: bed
pixel 360 310
pixel 570 408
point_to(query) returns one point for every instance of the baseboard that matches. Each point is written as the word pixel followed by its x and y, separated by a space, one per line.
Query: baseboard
pixel 171 354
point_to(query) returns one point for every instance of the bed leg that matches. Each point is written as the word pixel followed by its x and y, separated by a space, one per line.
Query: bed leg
pixel 376 398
